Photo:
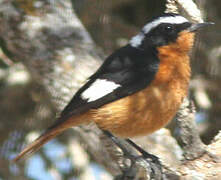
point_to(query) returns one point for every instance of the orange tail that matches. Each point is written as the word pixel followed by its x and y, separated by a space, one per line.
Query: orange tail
pixel 48 135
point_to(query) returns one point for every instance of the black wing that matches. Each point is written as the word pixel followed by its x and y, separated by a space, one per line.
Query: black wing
pixel 131 68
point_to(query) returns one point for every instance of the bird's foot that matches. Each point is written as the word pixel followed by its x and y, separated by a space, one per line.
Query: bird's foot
pixel 147 156
pixel 144 153
pixel 152 161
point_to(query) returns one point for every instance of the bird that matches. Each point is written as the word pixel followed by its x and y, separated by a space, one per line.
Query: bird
pixel 138 89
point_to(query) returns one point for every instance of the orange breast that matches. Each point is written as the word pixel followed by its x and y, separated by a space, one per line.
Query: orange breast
pixel 151 108
pixel 141 113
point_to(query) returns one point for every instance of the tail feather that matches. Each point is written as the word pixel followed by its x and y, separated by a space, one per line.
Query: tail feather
pixel 38 143
pixel 48 135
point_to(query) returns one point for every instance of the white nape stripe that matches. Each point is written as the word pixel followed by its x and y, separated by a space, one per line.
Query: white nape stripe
pixel 136 40
pixel 169 19
pixel 98 89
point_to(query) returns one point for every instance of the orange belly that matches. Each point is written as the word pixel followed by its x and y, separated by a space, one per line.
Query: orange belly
pixel 142 113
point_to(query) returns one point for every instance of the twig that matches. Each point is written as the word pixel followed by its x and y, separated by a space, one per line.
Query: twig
pixel 188 6
pixel 188 133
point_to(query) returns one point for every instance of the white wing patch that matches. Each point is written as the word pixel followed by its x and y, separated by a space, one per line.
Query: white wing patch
pixel 98 89
pixel 170 19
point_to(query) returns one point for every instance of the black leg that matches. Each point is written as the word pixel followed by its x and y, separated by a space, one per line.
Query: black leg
pixel 118 143
pixel 154 159
pixel 154 162
pixel 126 151
pixel 143 152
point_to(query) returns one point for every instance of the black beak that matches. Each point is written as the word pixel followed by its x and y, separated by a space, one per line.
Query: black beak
pixel 195 27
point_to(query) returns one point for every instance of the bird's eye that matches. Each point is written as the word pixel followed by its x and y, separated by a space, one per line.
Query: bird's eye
pixel 168 28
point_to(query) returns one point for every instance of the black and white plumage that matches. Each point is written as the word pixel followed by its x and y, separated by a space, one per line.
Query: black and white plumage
pixel 166 20
pixel 125 72
pixel 129 69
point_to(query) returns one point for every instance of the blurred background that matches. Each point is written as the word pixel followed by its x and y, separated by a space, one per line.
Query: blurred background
pixel 24 112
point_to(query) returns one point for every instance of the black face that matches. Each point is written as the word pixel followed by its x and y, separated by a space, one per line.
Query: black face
pixel 163 34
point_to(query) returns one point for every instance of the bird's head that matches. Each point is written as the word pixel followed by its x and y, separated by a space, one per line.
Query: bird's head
pixel 167 29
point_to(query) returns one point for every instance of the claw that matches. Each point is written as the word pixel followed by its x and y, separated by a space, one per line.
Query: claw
pixel 145 154
pixel 149 158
